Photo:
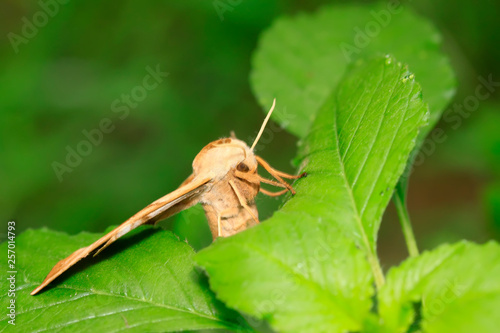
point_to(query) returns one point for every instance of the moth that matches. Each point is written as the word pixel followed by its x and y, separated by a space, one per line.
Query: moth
pixel 224 180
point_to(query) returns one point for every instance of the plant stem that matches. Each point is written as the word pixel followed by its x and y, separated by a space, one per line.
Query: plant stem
pixel 404 218
pixel 378 275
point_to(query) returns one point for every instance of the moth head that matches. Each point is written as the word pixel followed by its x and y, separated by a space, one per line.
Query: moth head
pixel 220 157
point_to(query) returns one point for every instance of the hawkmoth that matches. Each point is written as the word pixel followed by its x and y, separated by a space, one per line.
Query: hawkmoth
pixel 224 181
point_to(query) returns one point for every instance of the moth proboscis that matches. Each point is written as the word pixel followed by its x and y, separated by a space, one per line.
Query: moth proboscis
pixel 224 180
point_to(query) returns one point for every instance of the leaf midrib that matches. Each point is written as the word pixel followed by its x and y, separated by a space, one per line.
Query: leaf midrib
pixel 372 258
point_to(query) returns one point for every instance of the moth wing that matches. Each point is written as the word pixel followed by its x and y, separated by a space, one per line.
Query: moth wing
pixel 187 193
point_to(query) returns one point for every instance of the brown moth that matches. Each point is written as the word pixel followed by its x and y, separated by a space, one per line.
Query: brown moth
pixel 224 180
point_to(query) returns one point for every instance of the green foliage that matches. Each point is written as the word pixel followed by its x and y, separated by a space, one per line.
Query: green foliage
pixel 147 282
pixel 300 60
pixel 456 286
pixel 302 77
pixel 322 242
pixel 360 105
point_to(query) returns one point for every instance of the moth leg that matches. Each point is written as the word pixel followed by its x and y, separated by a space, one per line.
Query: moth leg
pixel 273 194
pixel 249 177
pixel 257 179
pixel 274 173
pixel 266 166
pixel 288 176
pixel 242 201
pixel 218 225
pixel 271 182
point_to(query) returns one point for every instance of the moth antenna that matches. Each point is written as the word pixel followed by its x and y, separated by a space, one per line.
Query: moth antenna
pixel 264 124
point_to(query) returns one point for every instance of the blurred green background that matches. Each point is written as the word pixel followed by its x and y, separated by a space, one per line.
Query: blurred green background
pixel 65 78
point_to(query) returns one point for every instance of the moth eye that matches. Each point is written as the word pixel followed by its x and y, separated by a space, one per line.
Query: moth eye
pixel 242 167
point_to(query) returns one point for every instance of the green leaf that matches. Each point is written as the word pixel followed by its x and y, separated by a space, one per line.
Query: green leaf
pixel 310 268
pixel 144 282
pixel 300 60
pixel 457 287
